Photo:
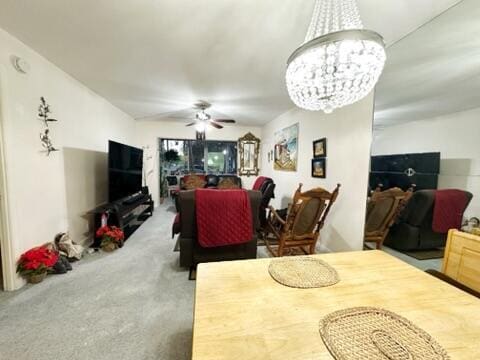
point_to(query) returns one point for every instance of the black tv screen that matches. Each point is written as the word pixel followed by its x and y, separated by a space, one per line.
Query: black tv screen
pixel 125 165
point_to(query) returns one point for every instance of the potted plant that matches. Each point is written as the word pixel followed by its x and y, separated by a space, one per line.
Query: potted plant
pixel 170 157
pixel 163 187
pixel 112 237
pixel 34 264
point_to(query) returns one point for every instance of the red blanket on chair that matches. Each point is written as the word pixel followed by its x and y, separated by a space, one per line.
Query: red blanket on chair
pixel 259 182
pixel 224 217
pixel 448 210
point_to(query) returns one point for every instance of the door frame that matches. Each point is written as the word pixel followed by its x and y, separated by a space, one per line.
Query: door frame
pixel 8 256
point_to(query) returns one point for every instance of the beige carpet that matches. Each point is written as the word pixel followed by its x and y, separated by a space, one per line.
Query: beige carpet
pixel 135 304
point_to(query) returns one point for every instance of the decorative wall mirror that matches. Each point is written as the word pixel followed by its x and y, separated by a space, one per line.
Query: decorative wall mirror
pixel 249 148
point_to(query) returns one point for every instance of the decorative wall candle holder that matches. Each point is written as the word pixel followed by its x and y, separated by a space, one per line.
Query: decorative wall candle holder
pixel 44 115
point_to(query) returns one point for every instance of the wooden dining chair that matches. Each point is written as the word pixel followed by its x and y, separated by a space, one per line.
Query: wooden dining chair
pixel 300 227
pixel 383 208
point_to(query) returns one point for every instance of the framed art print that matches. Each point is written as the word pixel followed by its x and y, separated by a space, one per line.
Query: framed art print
pixel 319 168
pixel 320 148
pixel 286 149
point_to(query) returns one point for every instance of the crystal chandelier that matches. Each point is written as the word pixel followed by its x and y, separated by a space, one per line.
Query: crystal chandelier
pixel 339 63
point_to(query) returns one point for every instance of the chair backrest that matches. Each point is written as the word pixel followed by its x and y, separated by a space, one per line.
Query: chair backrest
pixel 384 207
pixel 228 183
pixel 172 180
pixel 267 188
pixel 419 209
pixel 186 208
pixel 234 179
pixel 308 211
pixel 462 256
pixel 259 182
pixel 213 181
pixel 192 181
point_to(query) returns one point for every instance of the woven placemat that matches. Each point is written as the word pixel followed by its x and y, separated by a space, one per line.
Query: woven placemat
pixel 302 272
pixel 373 333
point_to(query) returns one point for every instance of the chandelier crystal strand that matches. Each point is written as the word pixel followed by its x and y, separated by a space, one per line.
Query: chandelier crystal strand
pixel 315 22
pixel 336 17
pixel 339 63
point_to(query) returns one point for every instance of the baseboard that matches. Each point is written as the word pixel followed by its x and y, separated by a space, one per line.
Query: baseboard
pixel 323 249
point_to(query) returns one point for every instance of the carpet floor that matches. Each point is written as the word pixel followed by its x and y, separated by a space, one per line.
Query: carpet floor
pixel 134 303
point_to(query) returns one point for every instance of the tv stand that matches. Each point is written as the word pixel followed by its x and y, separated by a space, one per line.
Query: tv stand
pixel 132 199
pixel 127 214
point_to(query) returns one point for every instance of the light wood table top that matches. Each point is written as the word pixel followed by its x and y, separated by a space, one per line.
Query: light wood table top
pixel 242 313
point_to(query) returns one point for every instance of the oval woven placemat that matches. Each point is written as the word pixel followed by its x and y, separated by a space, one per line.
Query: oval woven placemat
pixel 373 333
pixel 302 272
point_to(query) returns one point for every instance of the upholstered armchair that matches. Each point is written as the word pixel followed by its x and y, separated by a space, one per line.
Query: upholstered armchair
pixel 413 229
pixel 192 253
pixel 267 187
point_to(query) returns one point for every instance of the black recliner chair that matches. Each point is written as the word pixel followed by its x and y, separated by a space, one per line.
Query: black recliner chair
pixel 191 253
pixel 413 229
pixel 268 192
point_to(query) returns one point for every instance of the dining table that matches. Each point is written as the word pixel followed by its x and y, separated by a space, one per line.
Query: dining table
pixel 242 313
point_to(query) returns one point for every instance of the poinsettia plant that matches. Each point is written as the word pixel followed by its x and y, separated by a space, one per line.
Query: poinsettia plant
pixel 110 234
pixel 36 261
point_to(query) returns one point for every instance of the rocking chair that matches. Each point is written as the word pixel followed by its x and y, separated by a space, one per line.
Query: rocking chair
pixel 383 209
pixel 301 226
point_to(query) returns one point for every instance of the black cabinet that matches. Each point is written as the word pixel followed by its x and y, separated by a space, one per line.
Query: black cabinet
pixel 127 214
pixel 404 170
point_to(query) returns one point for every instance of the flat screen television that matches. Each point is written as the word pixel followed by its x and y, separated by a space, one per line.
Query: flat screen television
pixel 125 165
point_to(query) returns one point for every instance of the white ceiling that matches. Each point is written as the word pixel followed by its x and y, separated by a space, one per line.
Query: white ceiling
pixel 155 56
pixel 434 71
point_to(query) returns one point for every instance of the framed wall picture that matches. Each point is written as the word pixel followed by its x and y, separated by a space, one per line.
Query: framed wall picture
pixel 320 148
pixel 319 168
pixel 286 149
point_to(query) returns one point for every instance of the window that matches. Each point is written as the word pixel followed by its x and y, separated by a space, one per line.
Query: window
pixel 221 157
pixel 179 157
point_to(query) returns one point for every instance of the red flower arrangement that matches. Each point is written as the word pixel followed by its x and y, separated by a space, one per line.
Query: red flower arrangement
pixel 36 261
pixel 111 236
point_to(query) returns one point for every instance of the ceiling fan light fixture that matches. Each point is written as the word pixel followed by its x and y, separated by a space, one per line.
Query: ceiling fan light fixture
pixel 201 126
pixel 339 62
pixel 202 115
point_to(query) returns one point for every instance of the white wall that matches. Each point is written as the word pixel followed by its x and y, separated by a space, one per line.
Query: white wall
pixel 148 133
pixel 349 134
pixel 37 190
pixel 455 136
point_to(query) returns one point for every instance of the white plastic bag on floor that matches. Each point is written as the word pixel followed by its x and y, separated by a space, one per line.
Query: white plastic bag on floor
pixel 68 247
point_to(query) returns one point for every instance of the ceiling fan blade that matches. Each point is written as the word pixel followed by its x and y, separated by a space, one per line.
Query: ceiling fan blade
pixel 215 125
pixel 230 121
pixel 193 123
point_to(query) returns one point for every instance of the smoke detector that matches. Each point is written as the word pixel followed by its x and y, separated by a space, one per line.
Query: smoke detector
pixel 21 65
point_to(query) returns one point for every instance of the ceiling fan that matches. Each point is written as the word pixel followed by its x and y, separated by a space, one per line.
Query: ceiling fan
pixel 203 119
